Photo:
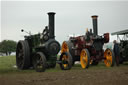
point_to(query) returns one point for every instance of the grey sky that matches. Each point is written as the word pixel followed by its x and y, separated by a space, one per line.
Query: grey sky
pixel 71 17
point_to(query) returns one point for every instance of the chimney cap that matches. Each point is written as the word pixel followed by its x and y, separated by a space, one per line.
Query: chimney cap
pixel 94 16
pixel 51 13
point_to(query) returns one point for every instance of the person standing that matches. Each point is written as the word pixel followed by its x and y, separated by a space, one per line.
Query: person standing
pixel 116 52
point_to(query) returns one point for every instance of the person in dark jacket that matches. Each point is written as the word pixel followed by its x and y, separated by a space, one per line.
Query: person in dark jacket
pixel 116 52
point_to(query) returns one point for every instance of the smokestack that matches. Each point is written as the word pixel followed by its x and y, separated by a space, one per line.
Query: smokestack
pixel 90 30
pixel 95 30
pixel 51 24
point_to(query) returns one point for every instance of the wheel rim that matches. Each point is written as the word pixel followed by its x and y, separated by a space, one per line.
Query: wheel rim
pixel 84 59
pixel 108 57
pixel 65 47
pixel 20 55
pixel 65 59
pixel 39 62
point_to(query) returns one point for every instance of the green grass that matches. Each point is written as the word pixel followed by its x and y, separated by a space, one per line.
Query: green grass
pixel 7 66
pixel 7 63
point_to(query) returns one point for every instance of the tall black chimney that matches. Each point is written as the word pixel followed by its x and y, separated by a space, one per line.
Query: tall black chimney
pixel 95 30
pixel 51 24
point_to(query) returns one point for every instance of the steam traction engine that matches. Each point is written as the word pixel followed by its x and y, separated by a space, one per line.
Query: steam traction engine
pixel 88 49
pixel 39 50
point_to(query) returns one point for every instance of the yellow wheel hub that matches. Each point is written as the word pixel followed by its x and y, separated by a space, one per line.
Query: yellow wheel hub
pixel 65 58
pixel 83 59
pixel 91 61
pixel 108 58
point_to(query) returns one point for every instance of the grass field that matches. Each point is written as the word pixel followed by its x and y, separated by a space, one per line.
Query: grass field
pixel 8 63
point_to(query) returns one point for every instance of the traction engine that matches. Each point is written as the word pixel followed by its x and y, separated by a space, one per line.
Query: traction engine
pixel 88 49
pixel 38 50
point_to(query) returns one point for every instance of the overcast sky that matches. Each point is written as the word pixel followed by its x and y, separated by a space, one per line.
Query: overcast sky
pixel 71 17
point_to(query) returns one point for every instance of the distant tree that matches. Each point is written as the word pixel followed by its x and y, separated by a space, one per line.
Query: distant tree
pixel 7 46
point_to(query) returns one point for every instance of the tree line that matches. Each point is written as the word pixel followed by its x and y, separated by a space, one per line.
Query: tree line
pixel 7 47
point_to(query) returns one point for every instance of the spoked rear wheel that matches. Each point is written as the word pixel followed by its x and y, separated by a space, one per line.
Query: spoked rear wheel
pixel 85 58
pixel 39 62
pixel 23 55
pixel 66 61
pixel 109 58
